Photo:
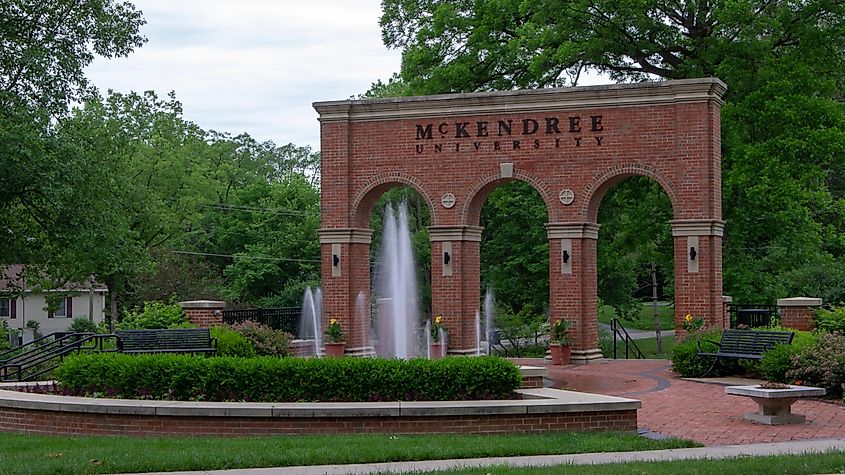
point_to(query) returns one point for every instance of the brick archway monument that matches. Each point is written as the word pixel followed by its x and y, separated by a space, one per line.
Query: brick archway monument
pixel 570 144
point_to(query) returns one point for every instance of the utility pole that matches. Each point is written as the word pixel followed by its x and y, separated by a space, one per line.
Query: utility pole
pixel 654 308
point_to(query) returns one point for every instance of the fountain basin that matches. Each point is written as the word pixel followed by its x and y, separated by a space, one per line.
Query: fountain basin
pixel 541 410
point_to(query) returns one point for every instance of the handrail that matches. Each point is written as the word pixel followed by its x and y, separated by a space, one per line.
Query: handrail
pixel 38 342
pixel 13 369
pixel 619 330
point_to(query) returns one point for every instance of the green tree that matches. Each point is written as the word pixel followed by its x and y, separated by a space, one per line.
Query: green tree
pixel 48 43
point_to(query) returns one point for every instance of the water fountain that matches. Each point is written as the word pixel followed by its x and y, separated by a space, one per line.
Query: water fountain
pixel 309 323
pixel 398 315
pixel 488 317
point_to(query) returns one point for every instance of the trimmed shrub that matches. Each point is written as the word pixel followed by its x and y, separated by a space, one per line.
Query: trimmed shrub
pixel 154 315
pixel 232 343
pixel 822 364
pixel 82 325
pixel 778 361
pixel 181 377
pixel 832 320
pixel 265 340
pixel 687 363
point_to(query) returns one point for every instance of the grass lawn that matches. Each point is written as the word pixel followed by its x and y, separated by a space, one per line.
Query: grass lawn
pixel 645 319
pixel 648 346
pixel 783 464
pixel 30 454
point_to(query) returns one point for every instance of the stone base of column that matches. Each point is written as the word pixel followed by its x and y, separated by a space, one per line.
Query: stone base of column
pixel 361 352
pixel 587 356
pixel 468 352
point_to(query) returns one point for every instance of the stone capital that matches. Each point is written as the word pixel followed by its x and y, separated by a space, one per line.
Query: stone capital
pixel 455 233
pixel 698 227
pixel 573 230
pixel 345 235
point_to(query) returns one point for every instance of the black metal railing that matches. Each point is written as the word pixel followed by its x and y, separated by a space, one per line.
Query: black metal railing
pixel 38 357
pixel 286 318
pixel 752 315
pixel 620 333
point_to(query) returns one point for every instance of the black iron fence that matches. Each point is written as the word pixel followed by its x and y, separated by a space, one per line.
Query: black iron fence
pixel 286 319
pixel 752 315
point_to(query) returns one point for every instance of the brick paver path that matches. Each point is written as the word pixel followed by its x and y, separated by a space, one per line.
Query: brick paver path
pixel 693 410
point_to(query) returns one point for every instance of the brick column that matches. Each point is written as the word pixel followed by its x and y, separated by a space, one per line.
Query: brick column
pixel 698 271
pixel 573 285
pixel 798 312
pixel 346 275
pixel 456 283
pixel 204 313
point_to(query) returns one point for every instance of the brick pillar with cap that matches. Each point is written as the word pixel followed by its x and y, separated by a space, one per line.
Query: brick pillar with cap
pixel 204 313
pixel 798 312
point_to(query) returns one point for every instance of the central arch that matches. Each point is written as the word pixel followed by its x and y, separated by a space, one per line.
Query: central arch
pixel 570 144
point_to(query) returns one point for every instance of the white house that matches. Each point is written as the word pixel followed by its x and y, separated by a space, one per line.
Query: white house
pixel 21 302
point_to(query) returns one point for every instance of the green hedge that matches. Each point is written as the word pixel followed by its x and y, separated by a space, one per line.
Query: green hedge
pixel 232 343
pixel 268 379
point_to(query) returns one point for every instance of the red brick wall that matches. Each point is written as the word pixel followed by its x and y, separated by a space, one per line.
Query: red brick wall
pixel 798 318
pixel 49 422
pixel 675 142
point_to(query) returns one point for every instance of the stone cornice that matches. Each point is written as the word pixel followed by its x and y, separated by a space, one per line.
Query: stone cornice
pixel 345 235
pixel 455 233
pixel 800 302
pixel 698 227
pixel 573 230
pixel 524 101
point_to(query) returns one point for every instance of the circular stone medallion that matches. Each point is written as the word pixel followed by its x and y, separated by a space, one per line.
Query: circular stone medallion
pixel 567 196
pixel 448 200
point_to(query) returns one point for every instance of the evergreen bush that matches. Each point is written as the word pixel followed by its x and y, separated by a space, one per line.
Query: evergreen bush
pixel 82 324
pixel 154 315
pixel 267 379
pixel 232 343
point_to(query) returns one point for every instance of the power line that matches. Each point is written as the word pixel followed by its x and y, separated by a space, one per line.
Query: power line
pixel 244 257
pixel 255 209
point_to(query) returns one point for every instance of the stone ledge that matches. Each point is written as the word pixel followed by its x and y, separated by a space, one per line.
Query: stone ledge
pixel 541 400
pixel 800 302
pixel 212 304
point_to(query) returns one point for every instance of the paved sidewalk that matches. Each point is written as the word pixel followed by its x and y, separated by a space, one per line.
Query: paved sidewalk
pixel 803 447
pixel 691 409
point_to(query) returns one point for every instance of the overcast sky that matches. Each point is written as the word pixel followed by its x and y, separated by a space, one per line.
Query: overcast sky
pixel 254 66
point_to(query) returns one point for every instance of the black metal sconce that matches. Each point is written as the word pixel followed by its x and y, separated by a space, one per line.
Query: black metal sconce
pixel 692 253
pixel 335 260
pixel 565 256
pixel 446 258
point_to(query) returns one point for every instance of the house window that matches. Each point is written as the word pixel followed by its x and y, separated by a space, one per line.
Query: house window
pixel 5 308
pixel 61 310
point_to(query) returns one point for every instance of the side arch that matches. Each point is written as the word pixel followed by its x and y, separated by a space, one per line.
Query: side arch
pixel 594 190
pixel 373 188
pixel 471 212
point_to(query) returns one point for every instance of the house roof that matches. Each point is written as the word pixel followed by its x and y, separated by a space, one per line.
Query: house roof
pixel 13 279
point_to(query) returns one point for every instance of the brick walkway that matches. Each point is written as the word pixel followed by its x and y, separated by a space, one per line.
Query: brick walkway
pixel 693 410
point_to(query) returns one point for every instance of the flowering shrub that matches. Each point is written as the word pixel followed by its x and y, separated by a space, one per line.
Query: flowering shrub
pixel 560 333
pixel 334 333
pixel 437 329
pixel 691 323
pixel 265 340
pixel 822 364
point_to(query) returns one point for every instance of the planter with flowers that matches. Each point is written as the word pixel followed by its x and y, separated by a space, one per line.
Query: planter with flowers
pixel 437 345
pixel 335 344
pixel 560 342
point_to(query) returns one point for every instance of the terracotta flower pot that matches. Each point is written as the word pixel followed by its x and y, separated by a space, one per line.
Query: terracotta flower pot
pixel 335 350
pixel 560 354
pixel 437 350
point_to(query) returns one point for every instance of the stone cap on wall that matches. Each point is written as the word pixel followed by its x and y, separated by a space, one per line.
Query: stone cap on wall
pixel 800 302
pixel 213 304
